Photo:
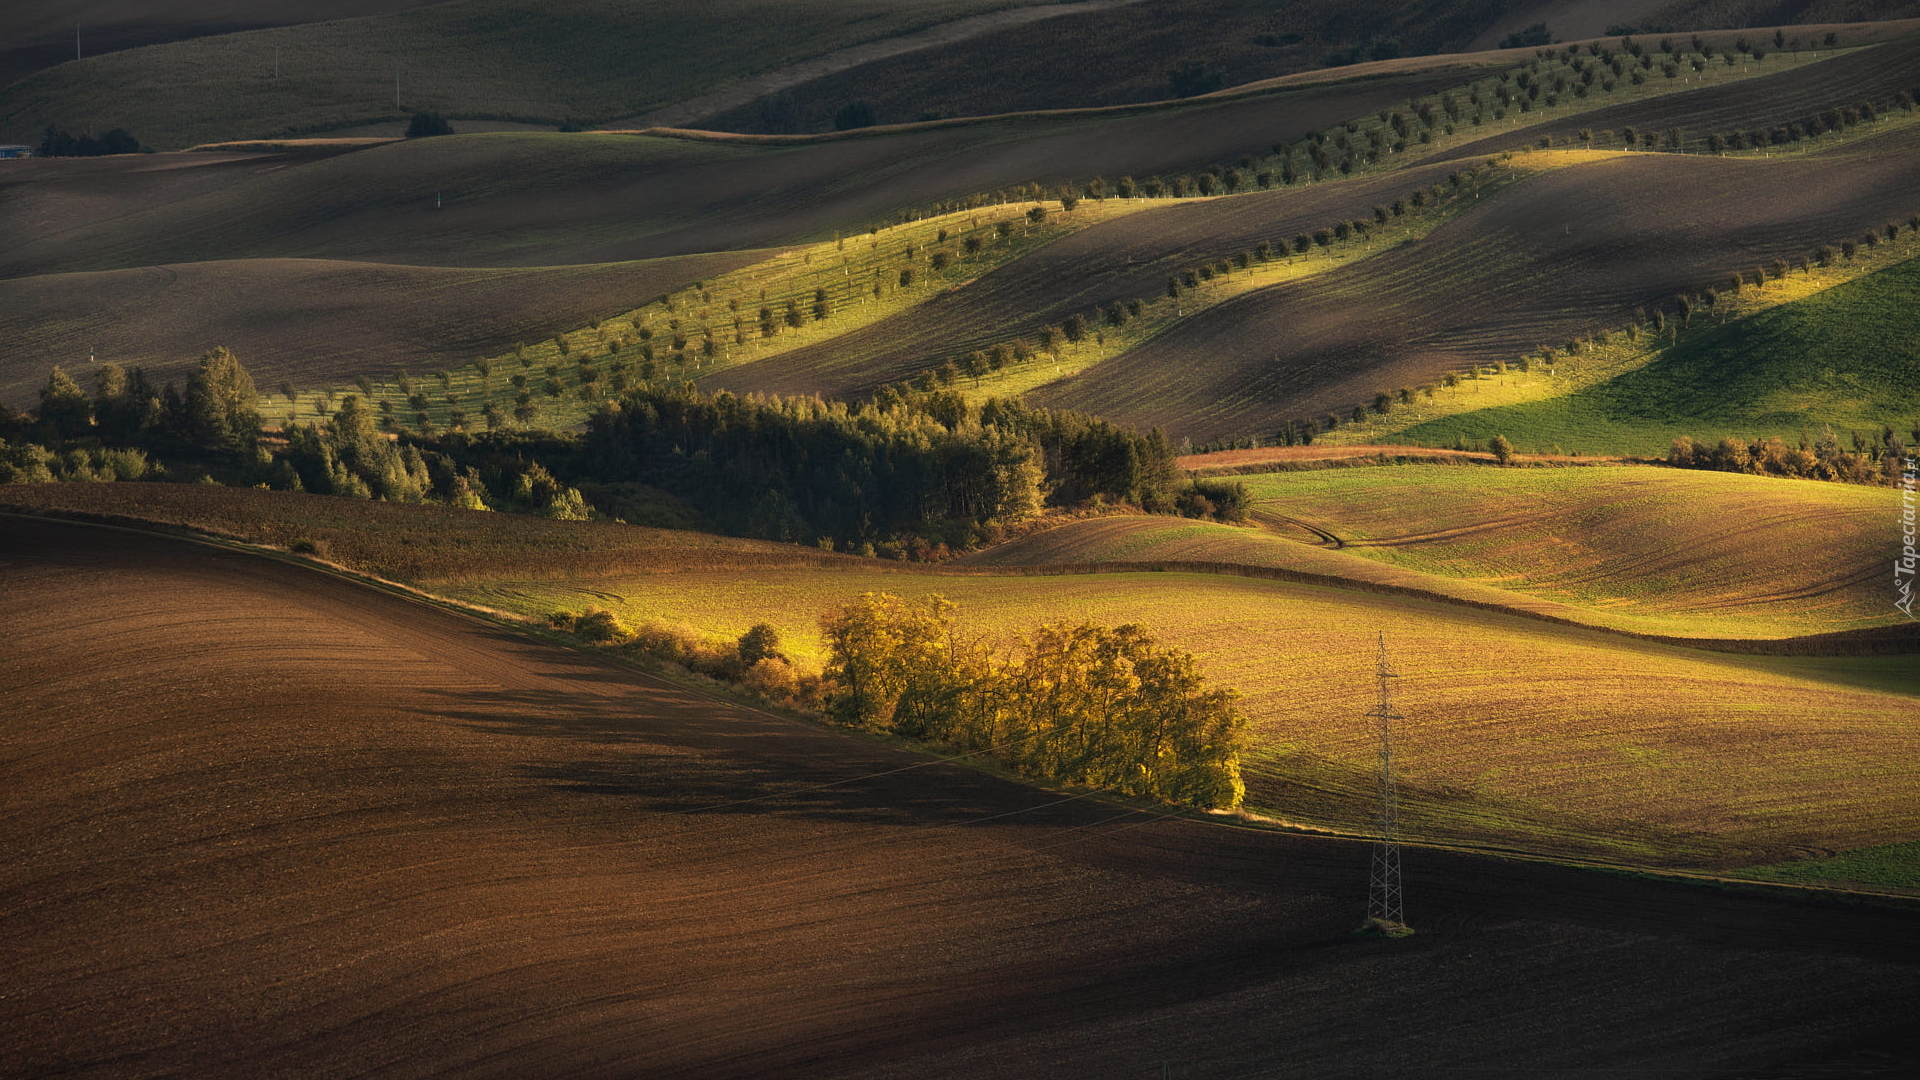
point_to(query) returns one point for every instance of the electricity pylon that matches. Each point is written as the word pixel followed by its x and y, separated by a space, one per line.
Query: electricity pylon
pixel 1384 911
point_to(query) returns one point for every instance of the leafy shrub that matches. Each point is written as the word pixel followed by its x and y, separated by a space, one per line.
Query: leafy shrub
pixel 428 124
pixel 601 626
pixel 1106 707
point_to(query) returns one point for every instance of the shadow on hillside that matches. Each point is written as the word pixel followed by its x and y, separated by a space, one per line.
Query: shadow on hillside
pixel 615 733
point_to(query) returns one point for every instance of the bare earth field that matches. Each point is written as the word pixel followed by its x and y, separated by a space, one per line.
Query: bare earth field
pixel 268 822
pixel 543 199
pixel 36 34
pixel 1765 102
pixel 1126 259
pixel 314 322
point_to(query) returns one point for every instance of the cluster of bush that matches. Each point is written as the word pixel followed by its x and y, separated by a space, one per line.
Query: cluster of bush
pixel 58 142
pixel 1107 707
pixel 752 661
pixel 1868 462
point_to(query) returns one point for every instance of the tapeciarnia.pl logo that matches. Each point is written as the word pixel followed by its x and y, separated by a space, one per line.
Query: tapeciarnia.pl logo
pixel 1903 565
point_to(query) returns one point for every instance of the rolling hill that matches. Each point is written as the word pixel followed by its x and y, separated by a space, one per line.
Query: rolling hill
pixel 1527 737
pixel 283 823
pixel 497 59
pixel 37 35
pixel 1126 259
pixel 1562 255
pixel 1129 54
pixel 1654 551
pixel 311 322
pixel 543 199
pixel 1842 359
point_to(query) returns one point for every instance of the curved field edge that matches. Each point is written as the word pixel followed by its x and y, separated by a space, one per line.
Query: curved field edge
pixel 1507 752
pixel 1680 550
pixel 1566 741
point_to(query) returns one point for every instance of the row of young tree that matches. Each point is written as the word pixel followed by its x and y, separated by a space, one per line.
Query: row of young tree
pixel 1107 707
pixel 1670 316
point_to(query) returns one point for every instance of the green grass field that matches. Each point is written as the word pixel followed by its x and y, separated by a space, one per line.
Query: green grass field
pixel 1888 866
pixel 1846 357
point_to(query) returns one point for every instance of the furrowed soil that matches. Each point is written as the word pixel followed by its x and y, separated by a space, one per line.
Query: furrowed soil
pixel 1559 255
pixel 543 199
pixel 264 821
pixel 1878 74
pixel 37 34
pixel 1128 259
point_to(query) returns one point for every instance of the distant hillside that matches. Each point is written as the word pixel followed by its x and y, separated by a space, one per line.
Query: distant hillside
pixel 1141 52
pixel 546 198
pixel 505 59
pixel 39 34
pixel 1167 48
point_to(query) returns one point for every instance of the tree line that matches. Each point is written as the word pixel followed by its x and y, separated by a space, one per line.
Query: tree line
pixel 58 142
pixel 906 474
pixel 1875 460
pixel 1107 707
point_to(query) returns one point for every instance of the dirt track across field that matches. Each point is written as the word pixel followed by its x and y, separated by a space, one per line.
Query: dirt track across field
pixel 262 821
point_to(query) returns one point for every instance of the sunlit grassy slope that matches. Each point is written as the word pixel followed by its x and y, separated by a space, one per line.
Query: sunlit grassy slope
pixel 1688 552
pixel 1847 357
pixel 1654 551
pixel 1517 734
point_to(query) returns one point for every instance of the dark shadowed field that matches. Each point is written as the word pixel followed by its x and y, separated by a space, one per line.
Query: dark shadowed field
pixel 261 821
pixel 312 321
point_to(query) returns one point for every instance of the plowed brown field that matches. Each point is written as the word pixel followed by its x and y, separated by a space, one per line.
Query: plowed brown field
pixel 1564 253
pixel 543 199
pixel 1128 259
pixel 311 321
pixel 1878 74
pixel 259 821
